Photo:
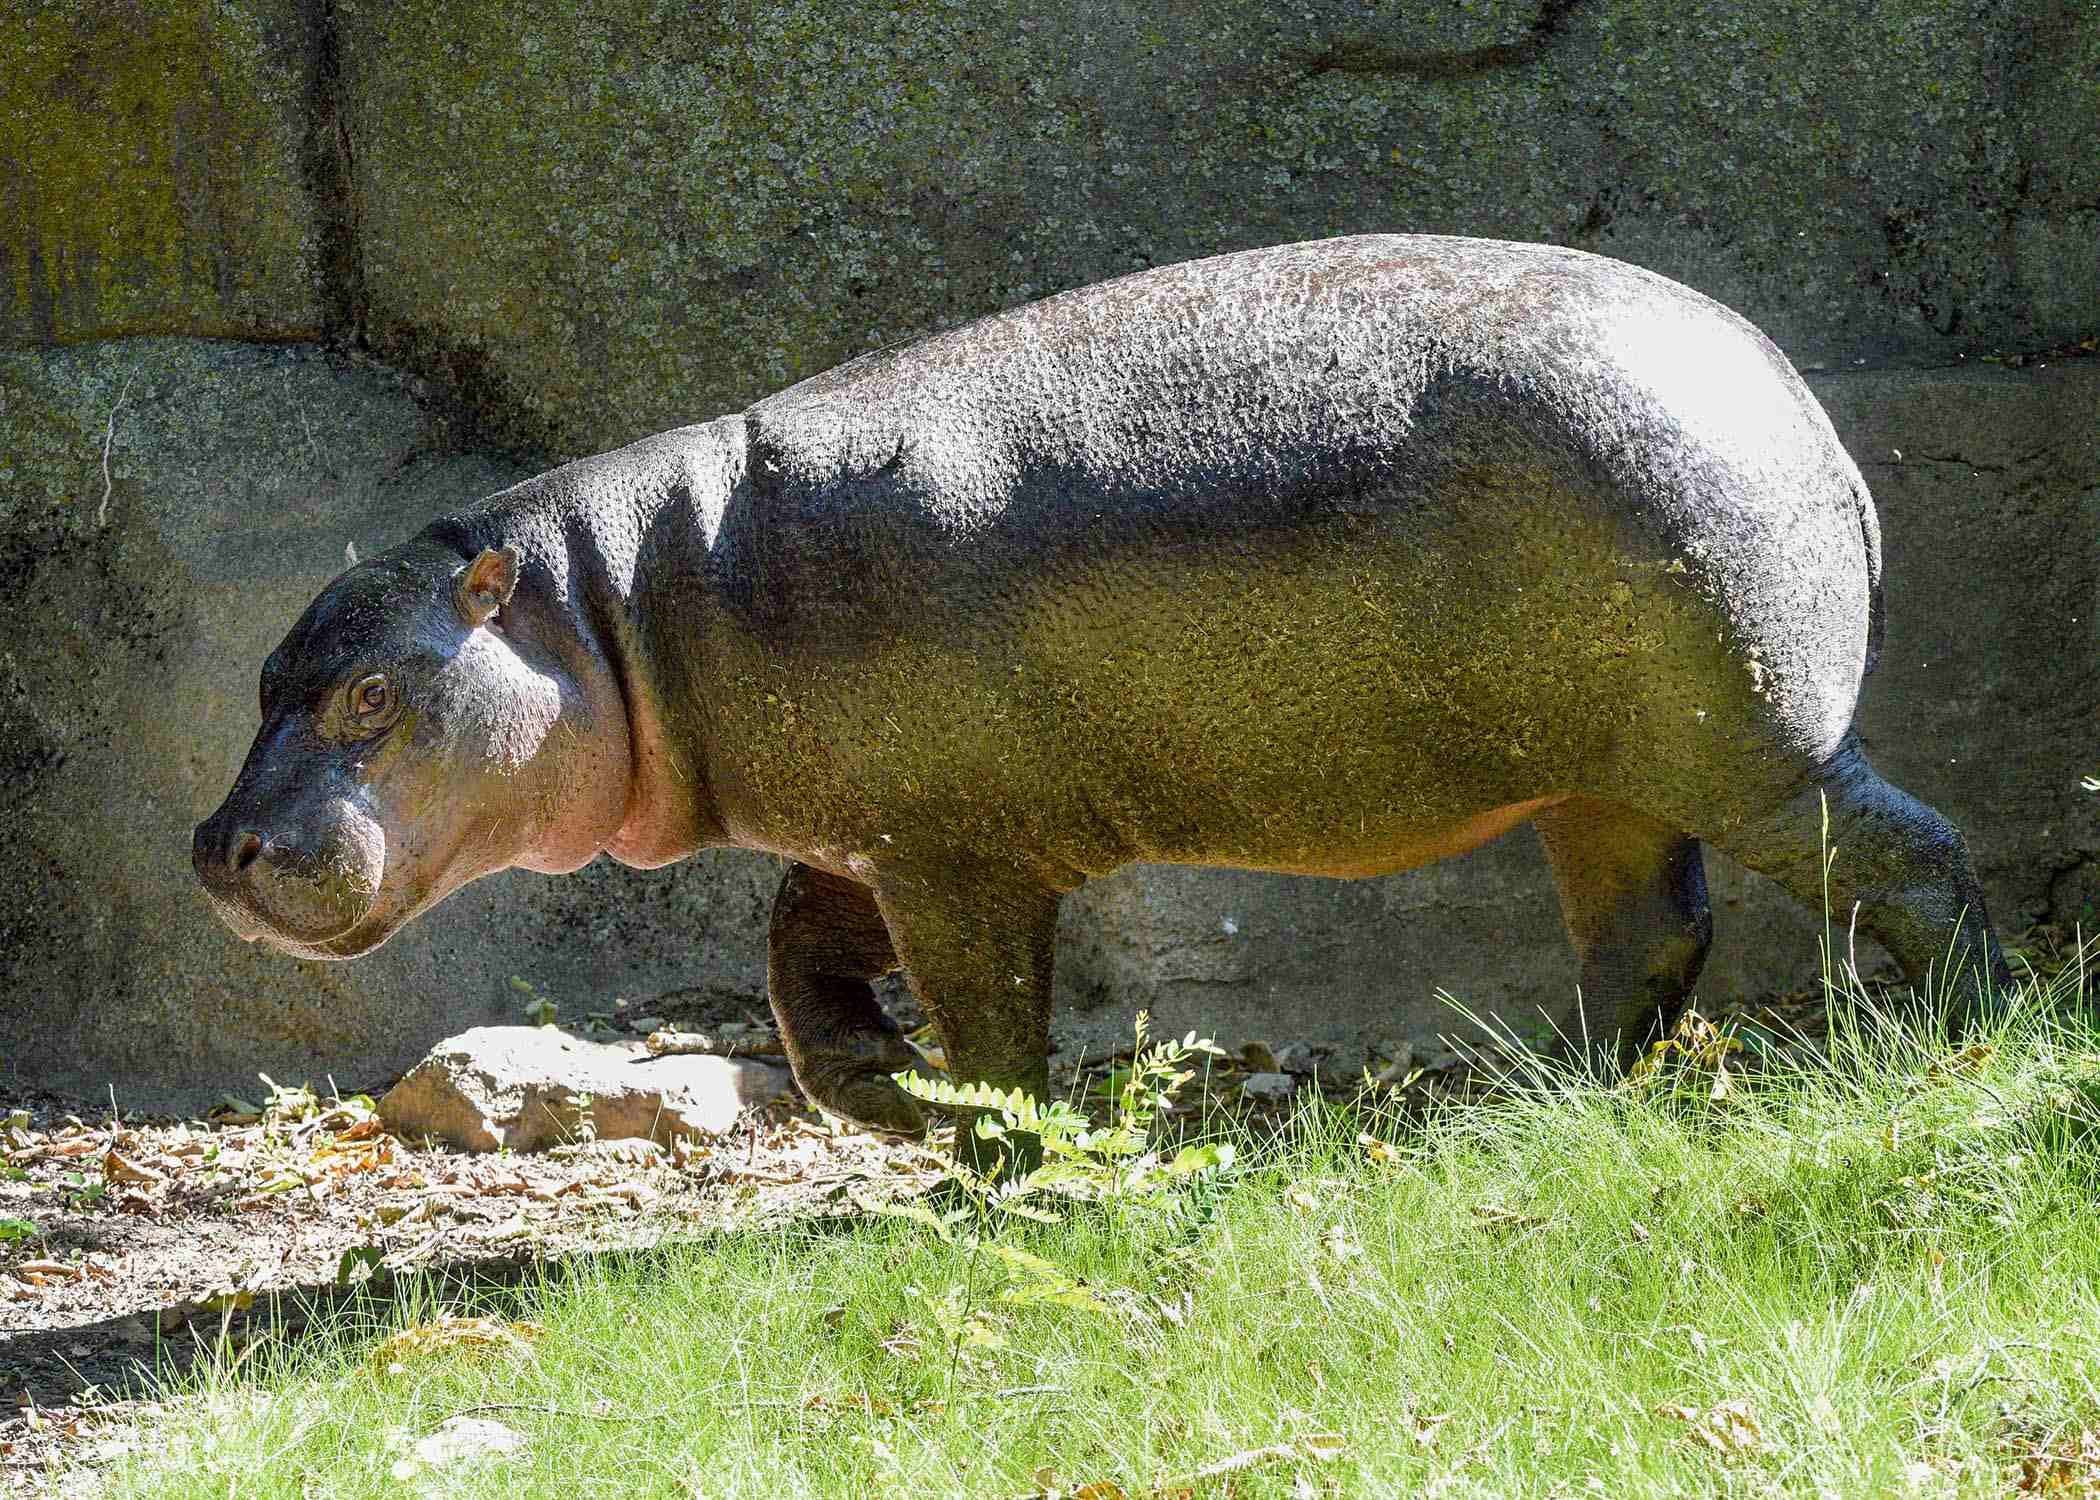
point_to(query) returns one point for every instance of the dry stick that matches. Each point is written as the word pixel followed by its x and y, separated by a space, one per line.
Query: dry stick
pixel 563 1411
pixel 1273 1453
pixel 1011 1393
pixel 109 436
pixel 1449 1477
pixel 668 1043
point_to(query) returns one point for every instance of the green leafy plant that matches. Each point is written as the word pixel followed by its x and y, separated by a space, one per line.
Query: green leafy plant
pixel 80 1192
pixel 1116 1163
pixel 360 1262
pixel 585 1106
pixel 538 1009
pixel 1080 1159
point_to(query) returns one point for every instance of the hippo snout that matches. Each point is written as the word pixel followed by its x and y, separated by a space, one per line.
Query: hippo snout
pixel 297 888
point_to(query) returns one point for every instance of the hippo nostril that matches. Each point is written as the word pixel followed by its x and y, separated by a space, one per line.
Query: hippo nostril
pixel 247 846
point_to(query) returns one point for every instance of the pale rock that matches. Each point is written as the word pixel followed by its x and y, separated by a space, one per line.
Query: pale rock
pixel 464 1439
pixel 1269 1088
pixel 1296 1058
pixel 520 1087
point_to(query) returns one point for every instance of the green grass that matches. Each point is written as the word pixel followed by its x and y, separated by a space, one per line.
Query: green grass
pixel 1890 1265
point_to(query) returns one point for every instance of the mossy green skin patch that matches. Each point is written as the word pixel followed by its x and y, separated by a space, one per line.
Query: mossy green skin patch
pixel 1335 558
pixel 149 172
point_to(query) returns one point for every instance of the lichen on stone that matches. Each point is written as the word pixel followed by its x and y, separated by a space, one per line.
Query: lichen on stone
pixel 149 171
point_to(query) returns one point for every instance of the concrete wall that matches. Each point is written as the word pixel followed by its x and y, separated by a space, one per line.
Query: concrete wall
pixel 609 221
pixel 493 235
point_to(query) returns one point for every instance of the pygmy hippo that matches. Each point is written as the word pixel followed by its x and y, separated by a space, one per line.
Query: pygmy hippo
pixel 1334 558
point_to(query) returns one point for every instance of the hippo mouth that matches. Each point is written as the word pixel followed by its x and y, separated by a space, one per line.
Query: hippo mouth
pixel 293 912
pixel 250 927
pixel 371 929
pixel 239 920
pixel 379 922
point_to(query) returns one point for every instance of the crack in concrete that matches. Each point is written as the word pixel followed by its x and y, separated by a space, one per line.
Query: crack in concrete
pixel 1956 460
pixel 1443 67
pixel 329 169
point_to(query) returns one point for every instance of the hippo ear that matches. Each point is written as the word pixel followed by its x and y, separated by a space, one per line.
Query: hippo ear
pixel 485 585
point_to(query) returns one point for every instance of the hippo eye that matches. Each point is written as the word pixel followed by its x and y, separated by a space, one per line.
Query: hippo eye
pixel 371 699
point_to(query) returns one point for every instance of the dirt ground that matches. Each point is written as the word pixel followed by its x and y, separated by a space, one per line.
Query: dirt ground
pixel 133 1247
pixel 157 1243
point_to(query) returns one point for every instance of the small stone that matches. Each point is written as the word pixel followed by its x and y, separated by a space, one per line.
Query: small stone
pixel 1296 1058
pixel 462 1439
pixel 137 1330
pixel 1269 1088
pixel 1402 1064
pixel 1258 1057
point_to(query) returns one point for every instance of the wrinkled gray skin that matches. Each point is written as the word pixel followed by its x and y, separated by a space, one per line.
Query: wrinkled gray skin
pixel 1334 558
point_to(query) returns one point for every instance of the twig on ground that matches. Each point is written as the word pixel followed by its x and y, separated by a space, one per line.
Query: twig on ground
pixel 1273 1453
pixel 1449 1477
pixel 543 1409
pixel 1317 1448
pixel 684 1043
pixel 1011 1393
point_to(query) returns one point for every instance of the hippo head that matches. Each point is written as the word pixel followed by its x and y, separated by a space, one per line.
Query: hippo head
pixel 423 724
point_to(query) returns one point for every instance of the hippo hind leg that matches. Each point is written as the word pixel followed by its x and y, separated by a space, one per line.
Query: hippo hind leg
pixel 1899 864
pixel 827 942
pixel 1633 895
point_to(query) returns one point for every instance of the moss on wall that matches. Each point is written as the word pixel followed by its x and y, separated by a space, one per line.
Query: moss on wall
pixel 149 170
pixel 594 221
pixel 2055 231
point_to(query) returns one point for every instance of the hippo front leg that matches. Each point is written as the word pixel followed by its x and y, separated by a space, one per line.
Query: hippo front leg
pixel 827 942
pixel 978 944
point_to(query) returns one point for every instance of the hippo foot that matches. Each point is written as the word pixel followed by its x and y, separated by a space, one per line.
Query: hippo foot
pixel 1602 1061
pixel 856 1085
pixel 1975 1011
pixel 1955 1012
pixel 871 1101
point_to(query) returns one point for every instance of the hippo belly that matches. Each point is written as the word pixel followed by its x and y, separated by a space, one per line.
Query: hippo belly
pixel 1366 694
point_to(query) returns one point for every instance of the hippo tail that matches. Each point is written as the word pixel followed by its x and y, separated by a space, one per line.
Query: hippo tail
pixel 1870 533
